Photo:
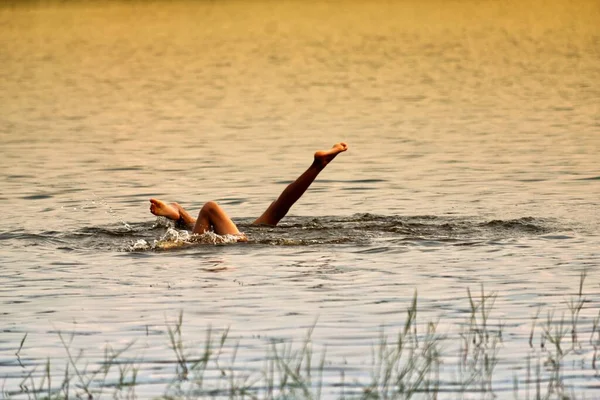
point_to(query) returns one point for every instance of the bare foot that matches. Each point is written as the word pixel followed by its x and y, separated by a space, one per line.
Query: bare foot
pixel 324 157
pixel 161 209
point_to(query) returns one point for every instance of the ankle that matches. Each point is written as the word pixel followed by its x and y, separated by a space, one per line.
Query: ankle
pixel 318 164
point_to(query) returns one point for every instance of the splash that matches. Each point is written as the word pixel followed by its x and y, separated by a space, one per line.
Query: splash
pixel 110 211
pixel 98 203
pixel 360 229
pixel 174 238
pixel 140 245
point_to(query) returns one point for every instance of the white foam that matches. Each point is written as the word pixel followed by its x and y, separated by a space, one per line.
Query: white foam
pixel 213 238
pixel 140 245
pixel 173 238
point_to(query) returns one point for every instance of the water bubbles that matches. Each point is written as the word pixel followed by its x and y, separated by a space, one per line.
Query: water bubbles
pixel 140 245
pixel 109 210
pixel 173 235
pixel 174 238
pixel 213 238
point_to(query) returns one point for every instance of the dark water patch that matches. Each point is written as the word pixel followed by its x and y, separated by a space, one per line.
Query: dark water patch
pixel 78 333
pixel 110 237
pixel 233 200
pixel 167 169
pixel 367 180
pixel 72 190
pixel 64 263
pixel 383 232
pixel 532 180
pixel 357 188
pixel 113 169
pixel 135 254
pixel 374 250
pixel 525 225
pixel 114 230
pixel 352 180
pixel 10 235
pixel 557 237
pixel 34 239
pixel 37 197
pixel 238 127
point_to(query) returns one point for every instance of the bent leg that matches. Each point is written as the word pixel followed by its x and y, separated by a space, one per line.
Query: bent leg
pixel 213 216
pixel 280 207
pixel 184 217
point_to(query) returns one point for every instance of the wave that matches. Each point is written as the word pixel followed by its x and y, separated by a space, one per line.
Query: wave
pixel 358 229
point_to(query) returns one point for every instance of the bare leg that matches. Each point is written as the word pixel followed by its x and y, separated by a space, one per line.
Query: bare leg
pixel 211 216
pixel 162 209
pixel 184 217
pixel 173 212
pixel 280 207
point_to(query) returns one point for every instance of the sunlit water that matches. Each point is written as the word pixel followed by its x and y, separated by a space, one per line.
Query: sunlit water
pixel 474 134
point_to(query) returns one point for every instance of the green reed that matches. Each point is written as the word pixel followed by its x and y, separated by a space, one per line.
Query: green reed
pixel 479 344
pixel 406 365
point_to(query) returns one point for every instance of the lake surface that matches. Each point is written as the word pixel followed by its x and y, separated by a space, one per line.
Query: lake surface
pixel 474 148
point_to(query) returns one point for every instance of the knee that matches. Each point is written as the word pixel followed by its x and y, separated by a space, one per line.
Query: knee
pixel 209 207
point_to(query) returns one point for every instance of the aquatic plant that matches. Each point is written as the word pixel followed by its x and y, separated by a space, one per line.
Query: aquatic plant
pixel 409 364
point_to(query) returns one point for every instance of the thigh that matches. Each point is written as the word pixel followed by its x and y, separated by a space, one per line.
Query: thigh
pixel 213 215
pixel 223 225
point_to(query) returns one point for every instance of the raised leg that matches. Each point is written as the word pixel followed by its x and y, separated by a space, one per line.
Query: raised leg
pixel 280 207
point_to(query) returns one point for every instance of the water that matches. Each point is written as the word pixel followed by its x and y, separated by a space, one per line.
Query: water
pixel 474 134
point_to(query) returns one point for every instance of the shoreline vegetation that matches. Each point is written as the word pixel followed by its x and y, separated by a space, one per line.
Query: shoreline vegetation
pixel 413 362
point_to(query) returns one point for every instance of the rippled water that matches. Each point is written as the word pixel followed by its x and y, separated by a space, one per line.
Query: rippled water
pixel 474 134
